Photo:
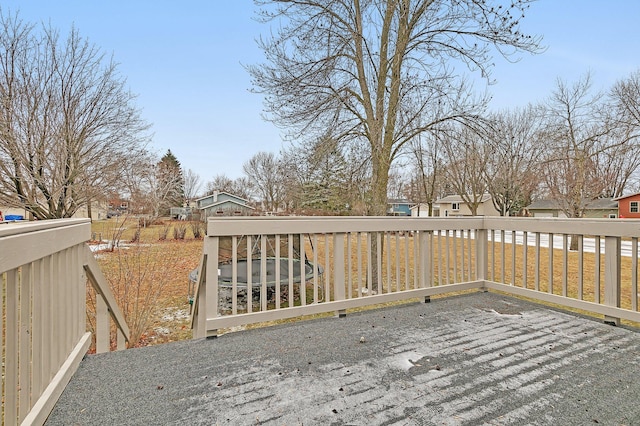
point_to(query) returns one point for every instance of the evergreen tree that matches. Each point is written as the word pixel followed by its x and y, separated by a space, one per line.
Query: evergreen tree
pixel 170 182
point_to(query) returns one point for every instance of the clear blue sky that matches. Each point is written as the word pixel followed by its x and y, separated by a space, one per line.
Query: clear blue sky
pixel 184 60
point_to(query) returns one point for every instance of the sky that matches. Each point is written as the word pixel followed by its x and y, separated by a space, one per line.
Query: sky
pixel 184 60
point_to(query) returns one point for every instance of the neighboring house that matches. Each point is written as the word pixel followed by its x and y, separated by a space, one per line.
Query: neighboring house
pixel 454 205
pixel 223 204
pixel 604 207
pixel 629 206
pixel 12 211
pixel 118 206
pixel 99 211
pixel 396 207
pixel 422 210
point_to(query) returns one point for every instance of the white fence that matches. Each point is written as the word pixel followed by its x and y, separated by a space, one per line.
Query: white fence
pixel 262 269
pixel 44 267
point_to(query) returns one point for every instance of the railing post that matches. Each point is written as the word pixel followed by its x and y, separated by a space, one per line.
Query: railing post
pixel 612 246
pixel 426 273
pixel 482 255
pixel 338 270
pixel 210 296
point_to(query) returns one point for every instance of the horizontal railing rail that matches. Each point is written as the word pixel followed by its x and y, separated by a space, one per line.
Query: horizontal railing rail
pixel 43 312
pixel 263 269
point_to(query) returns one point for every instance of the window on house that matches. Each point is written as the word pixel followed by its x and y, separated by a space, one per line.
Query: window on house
pixel 633 207
pixel 455 206
pixel 613 216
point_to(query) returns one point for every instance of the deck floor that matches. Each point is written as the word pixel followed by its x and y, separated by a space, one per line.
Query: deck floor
pixel 480 358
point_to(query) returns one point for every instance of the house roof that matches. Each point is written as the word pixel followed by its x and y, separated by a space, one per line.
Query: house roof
pixel 599 204
pixel 398 201
pixel 219 203
pixel 626 196
pixel 458 199
pixel 222 193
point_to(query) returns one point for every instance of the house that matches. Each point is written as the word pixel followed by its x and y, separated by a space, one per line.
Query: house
pixel 454 205
pixel 398 207
pixel 222 203
pixel 422 210
pixel 117 206
pixel 629 206
pixel 603 207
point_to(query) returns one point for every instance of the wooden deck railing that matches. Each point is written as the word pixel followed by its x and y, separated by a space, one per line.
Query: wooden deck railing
pixel 43 313
pixel 252 268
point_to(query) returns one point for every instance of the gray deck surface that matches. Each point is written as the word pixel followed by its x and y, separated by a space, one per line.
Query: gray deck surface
pixel 475 359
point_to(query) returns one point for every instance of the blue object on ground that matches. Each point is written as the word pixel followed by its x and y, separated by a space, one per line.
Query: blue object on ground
pixel 13 217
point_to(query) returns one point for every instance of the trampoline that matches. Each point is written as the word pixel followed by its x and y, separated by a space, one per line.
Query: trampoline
pixel 302 272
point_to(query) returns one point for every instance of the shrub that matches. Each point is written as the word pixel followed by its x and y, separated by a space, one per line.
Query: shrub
pixel 179 231
pixel 197 228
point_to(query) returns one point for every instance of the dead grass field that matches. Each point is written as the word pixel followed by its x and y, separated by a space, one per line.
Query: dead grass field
pixel 453 261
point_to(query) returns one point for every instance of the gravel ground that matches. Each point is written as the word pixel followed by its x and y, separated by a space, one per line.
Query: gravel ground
pixel 481 358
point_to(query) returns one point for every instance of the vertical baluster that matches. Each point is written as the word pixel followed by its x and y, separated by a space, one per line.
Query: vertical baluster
pixel 580 267
pixel 417 254
pixel 596 287
pixel 565 266
pixel 379 262
pixel 525 245
pixel 469 263
pixel 349 267
pixel 440 259
pixel 290 268
pixel 388 250
pixel 550 285
pixel 338 269
pixel 448 256
pixel 250 274
pixel 11 349
pixel 634 273
pixel 397 261
pixel 302 259
pixel 37 329
pixel 234 275
pixel 503 258
pixel 369 264
pixel 315 268
pixel 492 254
pixel 277 271
pixel 407 281
pixel 455 255
pixel 462 257
pixel 24 363
pixel 327 271
pixel 537 263
pixel 3 279
pixel 359 255
pixel 513 257
pixel 263 272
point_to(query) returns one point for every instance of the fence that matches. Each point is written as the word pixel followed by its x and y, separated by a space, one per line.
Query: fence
pixel 44 267
pixel 263 269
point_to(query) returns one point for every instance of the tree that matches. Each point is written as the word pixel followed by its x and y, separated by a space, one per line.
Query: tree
pixel 240 187
pixel 67 122
pixel 380 72
pixel 428 170
pixel 467 156
pixel 169 183
pixel 515 150
pixel 264 171
pixel 192 185
pixel 577 134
